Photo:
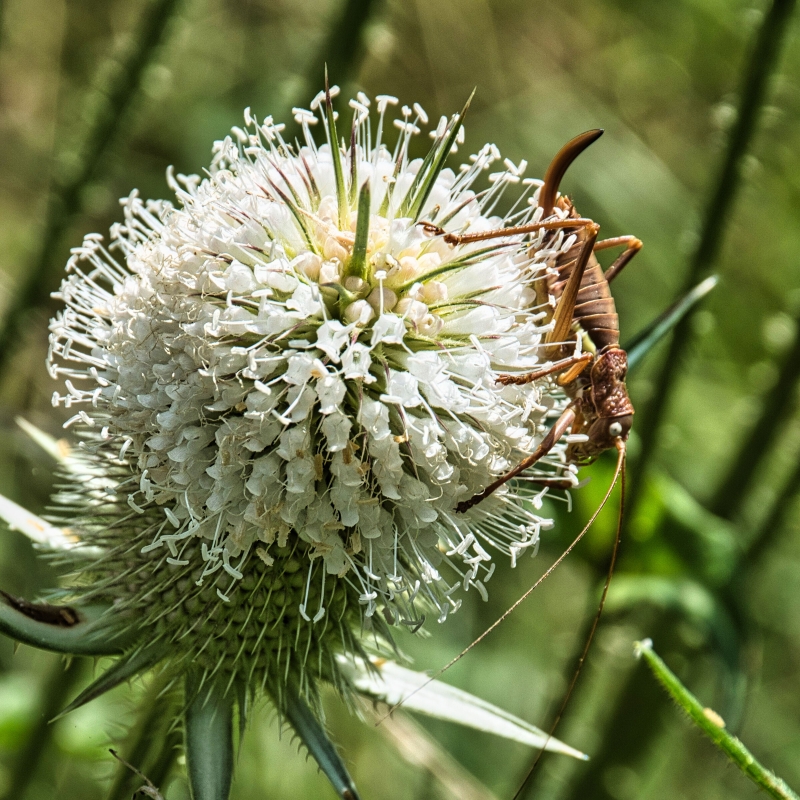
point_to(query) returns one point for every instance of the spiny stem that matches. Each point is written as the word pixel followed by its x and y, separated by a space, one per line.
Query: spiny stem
pixel 713 726
pixel 761 66
pixel 66 196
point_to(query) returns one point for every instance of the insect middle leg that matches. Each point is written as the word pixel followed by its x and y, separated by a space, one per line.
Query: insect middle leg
pixel 633 246
pixel 573 365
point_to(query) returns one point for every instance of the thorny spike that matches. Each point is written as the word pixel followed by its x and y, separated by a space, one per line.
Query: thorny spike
pixel 559 166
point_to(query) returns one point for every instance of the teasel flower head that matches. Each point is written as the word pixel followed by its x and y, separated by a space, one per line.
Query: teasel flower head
pixel 285 383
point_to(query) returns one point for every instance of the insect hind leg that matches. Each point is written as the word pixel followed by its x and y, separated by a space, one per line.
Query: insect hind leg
pixel 633 246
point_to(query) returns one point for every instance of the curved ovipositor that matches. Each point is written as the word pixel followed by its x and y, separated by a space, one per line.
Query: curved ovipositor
pixel 559 166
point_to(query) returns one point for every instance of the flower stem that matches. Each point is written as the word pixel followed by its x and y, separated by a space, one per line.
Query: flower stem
pixel 777 404
pixel 57 688
pixel 66 196
pixel 713 726
pixel 761 66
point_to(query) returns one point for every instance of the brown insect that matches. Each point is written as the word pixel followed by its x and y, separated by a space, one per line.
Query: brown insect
pixel 60 616
pixel 595 379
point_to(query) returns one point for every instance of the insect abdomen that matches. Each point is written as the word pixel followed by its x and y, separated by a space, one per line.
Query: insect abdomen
pixel 595 310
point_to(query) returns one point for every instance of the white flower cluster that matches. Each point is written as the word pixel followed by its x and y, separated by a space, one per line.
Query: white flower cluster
pixel 291 356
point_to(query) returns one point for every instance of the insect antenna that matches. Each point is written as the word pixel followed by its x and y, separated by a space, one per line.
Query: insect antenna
pixel 618 473
pixel 518 602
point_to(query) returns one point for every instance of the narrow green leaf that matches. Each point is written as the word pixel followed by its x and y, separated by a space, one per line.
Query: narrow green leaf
pixel 209 741
pixel 93 635
pixel 129 666
pixel 336 156
pixel 713 726
pixel 393 685
pixel 417 202
pixel 313 736
pixel 644 341
pixel 357 268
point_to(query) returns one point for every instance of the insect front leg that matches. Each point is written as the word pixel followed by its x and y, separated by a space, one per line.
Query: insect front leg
pixel 516 230
pixel 632 247
pixel 545 446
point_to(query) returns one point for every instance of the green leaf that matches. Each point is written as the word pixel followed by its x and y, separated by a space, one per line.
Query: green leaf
pixel 93 634
pixel 313 736
pixel 420 190
pixel 685 597
pixel 123 670
pixel 357 268
pixel 392 684
pixel 644 341
pixel 209 740
pixel 336 156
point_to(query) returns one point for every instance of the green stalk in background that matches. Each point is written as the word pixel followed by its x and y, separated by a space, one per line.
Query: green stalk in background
pixel 342 48
pixel 762 64
pixel 58 686
pixel 713 726
pixel 66 195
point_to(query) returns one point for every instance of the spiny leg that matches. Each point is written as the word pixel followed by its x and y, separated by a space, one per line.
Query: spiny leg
pixel 545 446
pixel 574 366
pixel 516 230
pixel 633 246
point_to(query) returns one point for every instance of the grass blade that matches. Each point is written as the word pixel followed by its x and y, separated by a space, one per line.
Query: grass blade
pixel 644 341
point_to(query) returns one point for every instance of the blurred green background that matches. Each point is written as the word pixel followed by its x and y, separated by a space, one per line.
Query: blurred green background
pixel 90 108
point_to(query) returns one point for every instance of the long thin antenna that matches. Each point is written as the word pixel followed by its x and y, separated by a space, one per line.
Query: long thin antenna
pixel 620 471
pixel 520 600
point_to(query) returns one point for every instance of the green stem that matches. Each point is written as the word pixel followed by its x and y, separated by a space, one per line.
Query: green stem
pixel 57 688
pixel 343 47
pixel 733 489
pixel 763 61
pixel 711 724
pixel 66 197
pixel 152 743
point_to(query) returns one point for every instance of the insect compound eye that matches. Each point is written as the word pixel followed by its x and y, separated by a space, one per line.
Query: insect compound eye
pixel 615 429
